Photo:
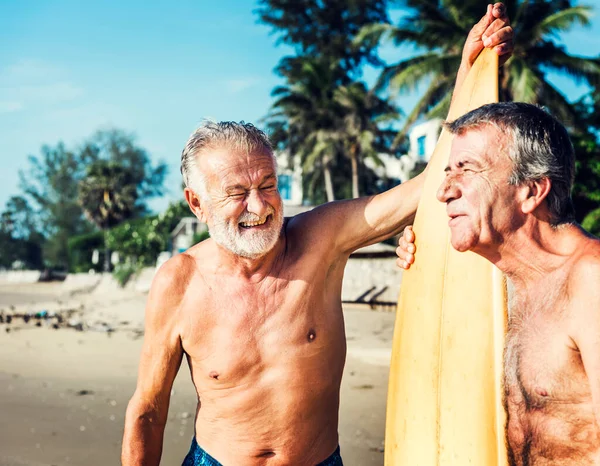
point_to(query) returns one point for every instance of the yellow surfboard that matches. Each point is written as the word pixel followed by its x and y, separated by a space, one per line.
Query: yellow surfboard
pixel 444 399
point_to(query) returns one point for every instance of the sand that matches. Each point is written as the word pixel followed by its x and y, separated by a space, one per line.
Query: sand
pixel 63 392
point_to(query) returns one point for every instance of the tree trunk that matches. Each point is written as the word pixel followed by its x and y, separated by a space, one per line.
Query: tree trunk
pixel 328 183
pixel 106 252
pixel 354 162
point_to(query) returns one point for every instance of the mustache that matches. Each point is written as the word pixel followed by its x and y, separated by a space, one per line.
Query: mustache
pixel 250 217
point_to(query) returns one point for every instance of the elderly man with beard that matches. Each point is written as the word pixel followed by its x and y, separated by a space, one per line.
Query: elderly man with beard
pixel 256 309
pixel 507 193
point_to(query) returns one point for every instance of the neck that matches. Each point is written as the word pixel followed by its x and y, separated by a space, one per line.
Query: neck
pixel 533 251
pixel 253 269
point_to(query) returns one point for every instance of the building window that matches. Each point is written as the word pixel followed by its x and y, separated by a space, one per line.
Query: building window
pixel 421 147
pixel 285 187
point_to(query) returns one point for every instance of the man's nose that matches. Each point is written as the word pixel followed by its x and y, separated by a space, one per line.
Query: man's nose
pixel 255 203
pixel 447 190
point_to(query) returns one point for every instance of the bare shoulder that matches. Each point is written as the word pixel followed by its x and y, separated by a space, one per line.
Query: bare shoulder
pixel 584 282
pixel 586 268
pixel 321 226
pixel 170 284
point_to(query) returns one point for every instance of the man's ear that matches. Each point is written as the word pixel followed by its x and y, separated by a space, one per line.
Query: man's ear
pixel 196 204
pixel 535 192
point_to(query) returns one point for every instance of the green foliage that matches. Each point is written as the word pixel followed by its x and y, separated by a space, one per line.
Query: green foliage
pixel 141 240
pixel 328 125
pixel 20 240
pixel 119 148
pixel 323 114
pixel 200 236
pixel 81 249
pixel 325 29
pixel 52 183
pixel 107 194
pixel 417 169
pixel 138 239
pixel 439 29
pixel 591 222
pixel 125 271
pixel 586 191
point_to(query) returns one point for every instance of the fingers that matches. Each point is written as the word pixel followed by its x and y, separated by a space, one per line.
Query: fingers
pixel 498 10
pixel 405 262
pixel 406 249
pixel 409 235
pixel 483 23
pixel 499 35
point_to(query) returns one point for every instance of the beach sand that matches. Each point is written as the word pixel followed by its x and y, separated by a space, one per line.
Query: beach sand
pixel 64 391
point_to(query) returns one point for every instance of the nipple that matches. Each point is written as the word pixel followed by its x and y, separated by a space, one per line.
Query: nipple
pixel 311 335
pixel 214 375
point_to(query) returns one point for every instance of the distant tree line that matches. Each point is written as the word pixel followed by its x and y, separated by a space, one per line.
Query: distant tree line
pixel 74 201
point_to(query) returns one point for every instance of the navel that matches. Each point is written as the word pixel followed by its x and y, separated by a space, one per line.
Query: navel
pixel 214 375
pixel 311 335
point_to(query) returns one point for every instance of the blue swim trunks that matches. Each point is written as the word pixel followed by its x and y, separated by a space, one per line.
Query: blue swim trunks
pixel 198 457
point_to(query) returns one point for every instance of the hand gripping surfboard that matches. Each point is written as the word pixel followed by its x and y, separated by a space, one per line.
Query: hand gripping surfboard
pixel 444 403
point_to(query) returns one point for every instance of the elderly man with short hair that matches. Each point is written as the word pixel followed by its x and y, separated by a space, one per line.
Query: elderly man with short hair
pixel 507 194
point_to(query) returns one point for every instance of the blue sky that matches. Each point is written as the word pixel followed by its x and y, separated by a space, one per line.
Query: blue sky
pixel 154 69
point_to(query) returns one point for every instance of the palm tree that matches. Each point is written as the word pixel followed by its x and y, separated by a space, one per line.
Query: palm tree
pixel 363 113
pixel 323 117
pixel 108 196
pixel 439 27
pixel 304 117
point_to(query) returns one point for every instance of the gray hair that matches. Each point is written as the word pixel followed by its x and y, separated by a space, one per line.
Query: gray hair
pixel 239 137
pixel 539 148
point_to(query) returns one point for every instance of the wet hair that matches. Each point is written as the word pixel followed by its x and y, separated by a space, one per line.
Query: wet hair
pixel 239 137
pixel 539 147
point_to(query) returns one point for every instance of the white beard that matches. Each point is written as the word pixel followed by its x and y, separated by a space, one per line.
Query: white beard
pixel 245 243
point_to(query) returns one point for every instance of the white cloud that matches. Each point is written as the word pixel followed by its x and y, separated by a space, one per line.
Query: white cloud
pixel 29 83
pixel 238 85
pixel 30 71
pixel 9 107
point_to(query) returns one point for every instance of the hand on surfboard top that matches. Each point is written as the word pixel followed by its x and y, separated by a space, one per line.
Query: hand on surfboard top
pixel 406 249
pixel 492 31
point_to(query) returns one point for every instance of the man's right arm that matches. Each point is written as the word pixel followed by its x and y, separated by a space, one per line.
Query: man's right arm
pixel 161 357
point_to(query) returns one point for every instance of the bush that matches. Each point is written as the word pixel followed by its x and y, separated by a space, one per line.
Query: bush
pixel 200 236
pixel 138 240
pixel 123 272
pixel 591 222
pixel 141 240
pixel 80 250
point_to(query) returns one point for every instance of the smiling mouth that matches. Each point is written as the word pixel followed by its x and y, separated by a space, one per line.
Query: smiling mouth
pixel 453 217
pixel 257 223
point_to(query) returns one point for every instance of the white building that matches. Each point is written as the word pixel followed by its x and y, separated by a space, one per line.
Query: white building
pixel 422 141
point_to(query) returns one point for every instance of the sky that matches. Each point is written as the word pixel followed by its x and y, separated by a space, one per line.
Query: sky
pixel 154 69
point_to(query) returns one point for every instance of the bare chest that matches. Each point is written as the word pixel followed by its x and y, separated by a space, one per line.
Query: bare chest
pixel 547 393
pixel 542 363
pixel 279 328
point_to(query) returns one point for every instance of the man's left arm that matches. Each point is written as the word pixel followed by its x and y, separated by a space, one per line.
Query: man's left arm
pixel 584 293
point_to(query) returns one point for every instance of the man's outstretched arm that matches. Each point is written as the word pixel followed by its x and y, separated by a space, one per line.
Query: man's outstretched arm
pixel 161 357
